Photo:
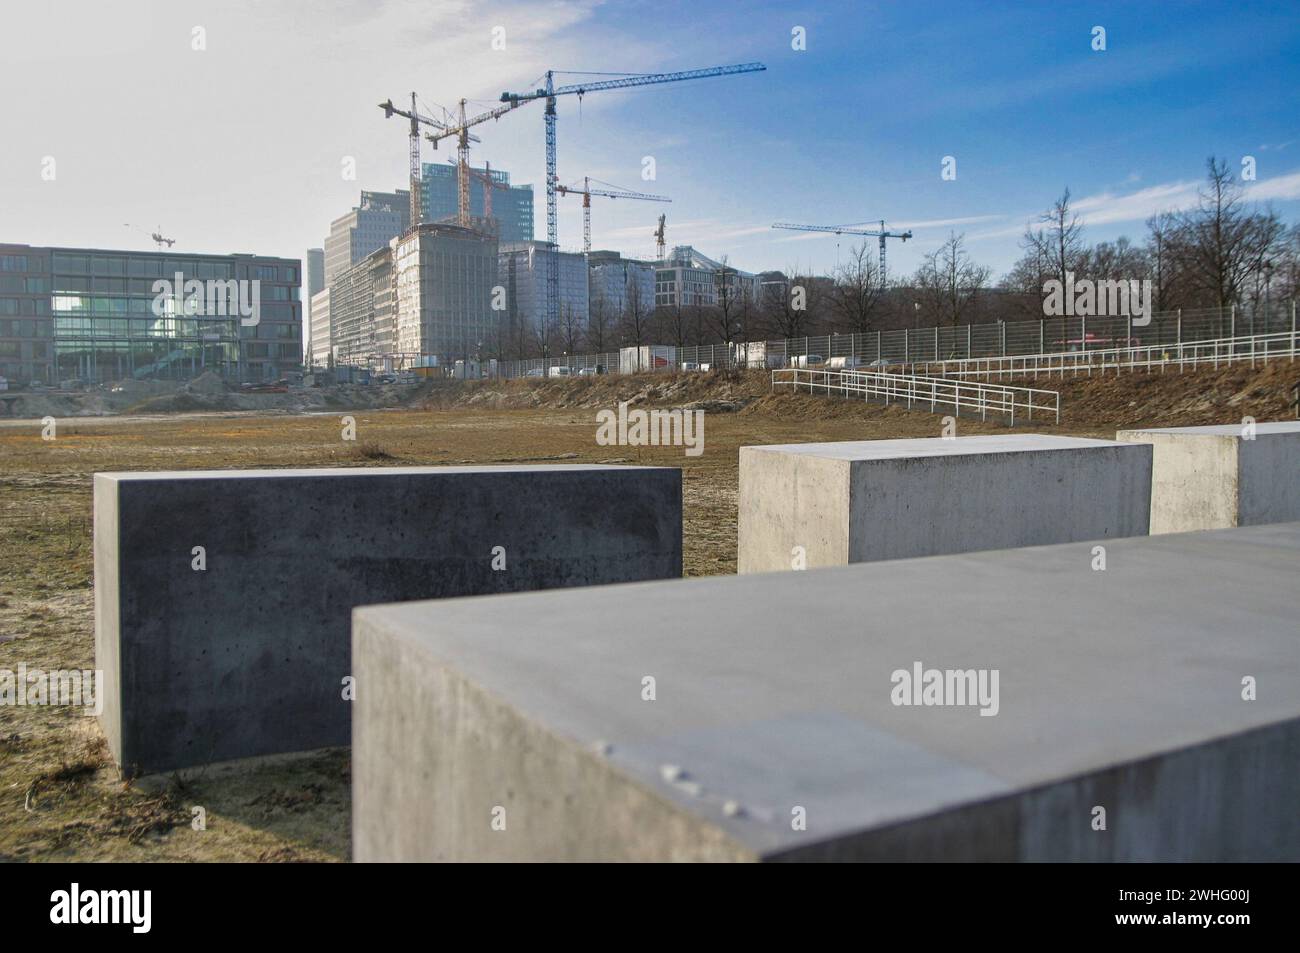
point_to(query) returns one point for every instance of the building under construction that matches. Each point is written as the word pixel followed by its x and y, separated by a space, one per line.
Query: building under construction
pixel 424 298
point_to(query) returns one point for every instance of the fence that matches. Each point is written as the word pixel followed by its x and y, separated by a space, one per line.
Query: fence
pixel 926 346
pixel 935 392
pixel 1223 351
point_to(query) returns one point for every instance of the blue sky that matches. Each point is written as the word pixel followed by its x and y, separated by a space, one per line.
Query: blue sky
pixel 238 147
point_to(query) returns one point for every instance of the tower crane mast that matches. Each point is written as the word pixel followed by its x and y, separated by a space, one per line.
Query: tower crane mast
pixel 414 135
pixel 460 129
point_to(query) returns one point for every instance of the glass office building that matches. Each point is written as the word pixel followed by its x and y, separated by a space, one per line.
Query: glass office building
pixel 512 205
pixel 95 315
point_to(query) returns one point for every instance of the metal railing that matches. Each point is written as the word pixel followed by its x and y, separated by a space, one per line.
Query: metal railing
pixel 1218 352
pixel 932 393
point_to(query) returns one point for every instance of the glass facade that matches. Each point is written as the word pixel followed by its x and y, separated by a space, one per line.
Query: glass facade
pixel 512 207
pixel 96 316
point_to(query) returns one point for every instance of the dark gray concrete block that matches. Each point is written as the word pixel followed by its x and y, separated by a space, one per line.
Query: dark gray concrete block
pixel 1120 689
pixel 248 656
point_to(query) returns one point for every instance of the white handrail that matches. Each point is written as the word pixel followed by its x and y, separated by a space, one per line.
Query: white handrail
pixel 937 392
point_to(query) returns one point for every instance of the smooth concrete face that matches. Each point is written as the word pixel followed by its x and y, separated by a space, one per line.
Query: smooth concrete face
pixel 1215 477
pixel 774 700
pixel 249 655
pixel 828 504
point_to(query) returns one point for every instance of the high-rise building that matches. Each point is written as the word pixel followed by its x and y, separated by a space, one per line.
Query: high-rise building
pixel 103 315
pixel 617 282
pixel 512 205
pixel 315 272
pixel 428 294
pixel 523 273
pixel 380 218
pixel 444 276
pixel 315 285
pixel 354 308
pixel 320 333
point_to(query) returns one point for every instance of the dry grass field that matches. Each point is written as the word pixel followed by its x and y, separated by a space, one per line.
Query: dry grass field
pixel 60 797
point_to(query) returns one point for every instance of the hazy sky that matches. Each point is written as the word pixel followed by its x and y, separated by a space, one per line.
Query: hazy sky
pixel 241 146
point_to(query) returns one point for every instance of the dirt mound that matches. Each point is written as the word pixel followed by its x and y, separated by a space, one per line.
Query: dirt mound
pixel 1174 399
pixel 716 392
pixel 206 383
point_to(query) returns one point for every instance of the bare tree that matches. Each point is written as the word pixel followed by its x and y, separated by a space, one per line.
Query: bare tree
pixel 949 281
pixel 636 318
pixel 544 334
pixel 857 293
pixel 1119 260
pixel 785 305
pixel 570 329
pixel 1058 246
pixel 722 317
pixel 598 320
pixel 1221 244
pixel 1161 233
pixel 673 319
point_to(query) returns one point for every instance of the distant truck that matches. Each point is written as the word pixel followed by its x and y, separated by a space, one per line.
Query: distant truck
pixel 756 354
pixel 807 360
pixel 648 357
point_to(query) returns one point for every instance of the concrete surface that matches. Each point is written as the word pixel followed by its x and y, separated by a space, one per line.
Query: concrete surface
pixel 248 657
pixel 1214 478
pixel 866 500
pixel 1119 688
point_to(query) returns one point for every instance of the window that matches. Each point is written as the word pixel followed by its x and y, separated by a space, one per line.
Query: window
pixel 145 268
pixel 13 262
pixel 71 264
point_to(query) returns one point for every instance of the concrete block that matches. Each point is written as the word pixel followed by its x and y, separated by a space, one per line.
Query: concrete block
pixel 247 656
pixel 1215 478
pixel 866 500
pixel 774 733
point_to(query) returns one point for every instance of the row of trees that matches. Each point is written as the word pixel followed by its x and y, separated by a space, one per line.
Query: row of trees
pixel 1222 251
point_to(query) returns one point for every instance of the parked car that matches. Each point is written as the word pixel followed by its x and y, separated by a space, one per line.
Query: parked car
pixel 690 366
pixel 587 372
pixel 536 372
pixel 560 372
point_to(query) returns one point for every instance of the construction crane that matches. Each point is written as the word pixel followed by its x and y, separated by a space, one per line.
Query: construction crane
pixel 460 129
pixel 610 192
pixel 659 238
pixel 156 235
pixel 549 92
pixel 417 120
pixel 850 230
pixel 489 185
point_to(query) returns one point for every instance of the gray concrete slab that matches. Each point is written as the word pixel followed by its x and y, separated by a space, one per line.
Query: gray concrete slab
pixel 247 656
pixel 1222 475
pixel 828 504
pixel 1120 689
